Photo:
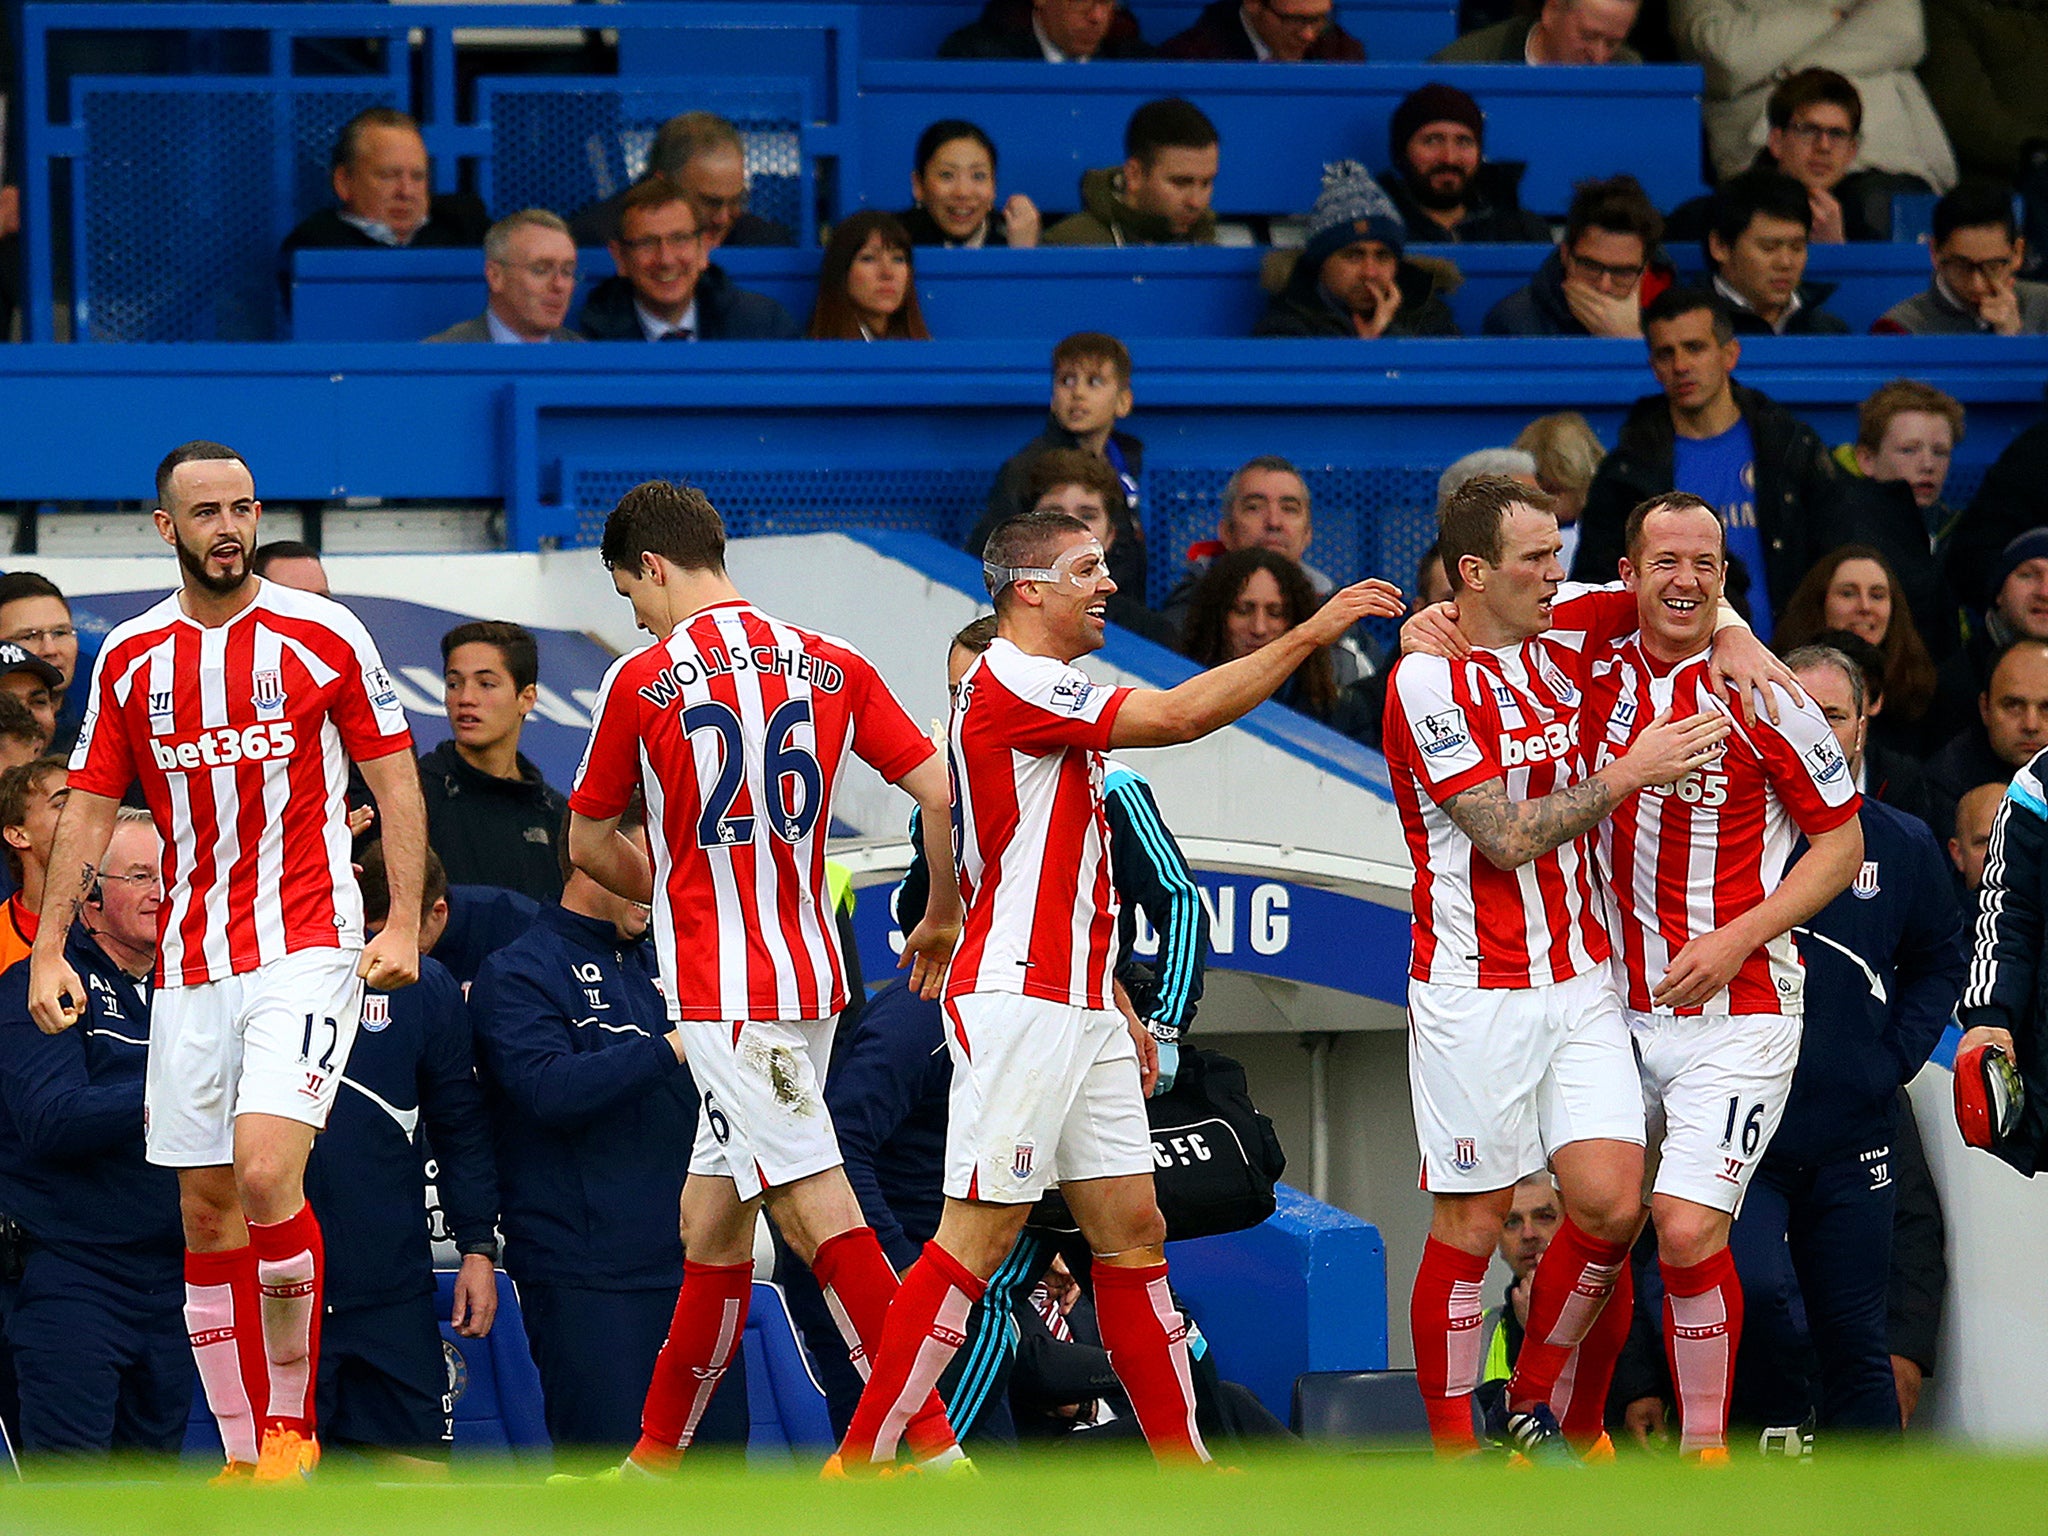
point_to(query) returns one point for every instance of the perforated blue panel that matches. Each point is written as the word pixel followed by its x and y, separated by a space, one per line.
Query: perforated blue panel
pixel 755 503
pixel 1369 520
pixel 565 144
pixel 186 194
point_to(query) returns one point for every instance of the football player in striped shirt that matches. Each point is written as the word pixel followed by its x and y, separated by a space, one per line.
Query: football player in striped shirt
pixel 1050 1070
pixel 736 725
pixel 1702 906
pixel 1518 1054
pixel 237 704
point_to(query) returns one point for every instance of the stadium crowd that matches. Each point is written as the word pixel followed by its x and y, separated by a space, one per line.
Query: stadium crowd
pixel 491 1098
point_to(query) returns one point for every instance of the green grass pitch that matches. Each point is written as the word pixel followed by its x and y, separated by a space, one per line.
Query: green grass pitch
pixel 1100 1495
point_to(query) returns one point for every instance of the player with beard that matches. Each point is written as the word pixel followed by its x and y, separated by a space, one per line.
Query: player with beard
pixel 1440 181
pixel 238 704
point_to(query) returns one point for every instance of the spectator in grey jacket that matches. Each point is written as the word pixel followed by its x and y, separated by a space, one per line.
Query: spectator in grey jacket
pixel 530 272
pixel 1977 289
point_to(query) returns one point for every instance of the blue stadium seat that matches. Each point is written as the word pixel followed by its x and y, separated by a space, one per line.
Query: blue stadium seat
pixel 1379 1407
pixel 787 1406
pixel 497 1390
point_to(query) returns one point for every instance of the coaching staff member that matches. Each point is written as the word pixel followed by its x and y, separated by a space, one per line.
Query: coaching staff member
pixel 593 1114
pixel 1884 965
pixel 99 1330
pixel 383 1380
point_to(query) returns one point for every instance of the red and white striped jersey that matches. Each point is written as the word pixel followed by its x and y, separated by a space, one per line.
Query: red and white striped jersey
pixel 1510 714
pixel 1684 861
pixel 1029 832
pixel 736 728
pixel 240 734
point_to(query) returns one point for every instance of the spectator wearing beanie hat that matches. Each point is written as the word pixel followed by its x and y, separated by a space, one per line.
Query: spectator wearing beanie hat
pixel 1351 278
pixel 1441 185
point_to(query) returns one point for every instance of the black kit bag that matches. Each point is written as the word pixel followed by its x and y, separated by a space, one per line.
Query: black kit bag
pixel 1215 1158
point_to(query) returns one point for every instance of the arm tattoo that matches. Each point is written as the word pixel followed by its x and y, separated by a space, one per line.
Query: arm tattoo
pixel 1512 832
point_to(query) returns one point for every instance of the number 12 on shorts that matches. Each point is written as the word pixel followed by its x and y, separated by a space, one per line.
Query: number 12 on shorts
pixel 326 1062
pixel 1752 1126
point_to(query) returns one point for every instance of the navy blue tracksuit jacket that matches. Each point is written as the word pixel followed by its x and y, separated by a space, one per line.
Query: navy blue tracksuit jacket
pixel 482 919
pixel 591 1113
pixel 1884 967
pixel 593 1118
pixel 98 1332
pixel 410 1066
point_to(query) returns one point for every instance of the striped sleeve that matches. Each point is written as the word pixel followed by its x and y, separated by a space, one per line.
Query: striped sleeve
pixel 1804 764
pixel 1444 725
pixel 2005 957
pixel 1151 873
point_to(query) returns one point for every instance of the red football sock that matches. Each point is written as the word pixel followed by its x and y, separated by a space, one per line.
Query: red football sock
pixel 1147 1340
pixel 289 1265
pixel 927 1323
pixel 1702 1330
pixel 1444 1313
pixel 224 1322
pixel 1580 1397
pixel 1572 1282
pixel 858 1284
pixel 703 1337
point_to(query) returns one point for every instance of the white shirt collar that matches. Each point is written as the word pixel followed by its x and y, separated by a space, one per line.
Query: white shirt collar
pixel 1047 47
pixel 654 329
pixel 1259 49
pixel 383 234
pixel 503 333
pixel 1722 287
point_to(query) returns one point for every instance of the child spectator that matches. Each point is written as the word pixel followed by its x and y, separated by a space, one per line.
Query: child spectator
pixel 867 286
pixel 1091 393
pixel 1250 598
pixel 953 185
pixel 1351 278
pixel 1906 435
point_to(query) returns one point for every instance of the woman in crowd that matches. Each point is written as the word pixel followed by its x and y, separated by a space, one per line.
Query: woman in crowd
pixel 954 185
pixel 1251 597
pixel 867 286
pixel 1854 588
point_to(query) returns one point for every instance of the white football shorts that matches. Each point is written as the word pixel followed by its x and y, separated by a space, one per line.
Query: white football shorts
pixel 273 1041
pixel 1714 1090
pixel 761 1116
pixel 1501 1077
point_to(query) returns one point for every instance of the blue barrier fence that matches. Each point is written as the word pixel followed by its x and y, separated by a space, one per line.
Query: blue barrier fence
pixel 1183 292
pixel 178 184
pixel 795 436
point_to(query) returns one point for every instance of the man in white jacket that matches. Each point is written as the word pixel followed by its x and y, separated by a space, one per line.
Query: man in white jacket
pixel 1748 47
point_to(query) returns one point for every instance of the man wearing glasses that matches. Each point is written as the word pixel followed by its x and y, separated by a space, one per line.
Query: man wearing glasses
pixel 530 270
pixel 1290 31
pixel 667 288
pixel 1593 283
pixel 1815 134
pixel 1977 289
pixel 37 617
